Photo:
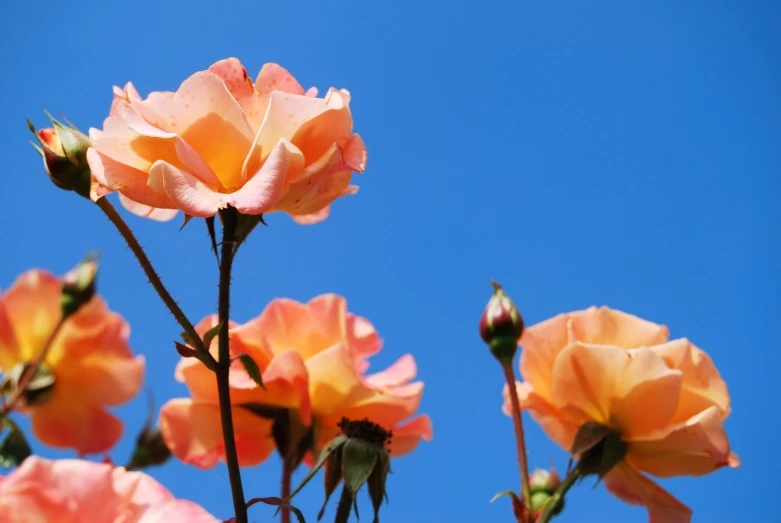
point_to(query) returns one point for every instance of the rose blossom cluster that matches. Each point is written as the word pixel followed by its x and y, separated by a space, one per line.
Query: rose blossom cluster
pixel 610 388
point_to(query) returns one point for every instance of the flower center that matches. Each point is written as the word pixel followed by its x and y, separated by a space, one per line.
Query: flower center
pixel 365 430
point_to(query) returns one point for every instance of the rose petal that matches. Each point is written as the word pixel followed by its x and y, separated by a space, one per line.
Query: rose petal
pixel 695 447
pixel 120 177
pixel 177 511
pixel 9 347
pixel 401 372
pixel 274 77
pixel 187 192
pixel 193 433
pixel 66 421
pixel 61 491
pixel 608 385
pixel 407 436
pixel 541 345
pixel 551 420
pixel 264 188
pixel 605 326
pixel 33 309
pixel 145 211
pixel 205 114
pixel 240 86
pixel 703 386
pixel 635 489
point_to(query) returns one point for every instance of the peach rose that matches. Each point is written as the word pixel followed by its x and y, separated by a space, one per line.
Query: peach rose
pixel 89 359
pixel 312 358
pixel 221 140
pixel 75 491
pixel 666 398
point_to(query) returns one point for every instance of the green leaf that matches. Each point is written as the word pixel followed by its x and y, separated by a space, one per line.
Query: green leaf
pixel 332 477
pixel 330 447
pixel 613 452
pixel 376 483
pixel 185 351
pixel 510 493
pixel 210 334
pixel 358 460
pixel 589 435
pixel 252 369
pixel 246 224
pixel 278 502
pixel 14 448
pixel 212 236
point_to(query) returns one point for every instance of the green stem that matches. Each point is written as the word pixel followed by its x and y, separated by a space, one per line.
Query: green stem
pixel 154 279
pixel 519 439
pixel 27 376
pixel 558 496
pixel 229 222
pixel 343 509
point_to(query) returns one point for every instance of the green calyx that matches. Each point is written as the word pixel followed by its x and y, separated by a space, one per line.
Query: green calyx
pixel 356 457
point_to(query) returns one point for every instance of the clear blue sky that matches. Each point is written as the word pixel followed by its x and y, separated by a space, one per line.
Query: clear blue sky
pixel 580 154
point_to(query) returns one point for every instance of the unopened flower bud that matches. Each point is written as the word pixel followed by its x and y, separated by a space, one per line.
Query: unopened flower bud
pixel 64 153
pixel 544 481
pixel 150 449
pixel 78 286
pixel 501 326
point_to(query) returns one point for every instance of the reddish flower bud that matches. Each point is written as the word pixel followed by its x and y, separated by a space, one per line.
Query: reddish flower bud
pixel 501 325
pixel 64 153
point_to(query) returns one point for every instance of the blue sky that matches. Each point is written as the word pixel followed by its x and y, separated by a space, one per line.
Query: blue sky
pixel 580 154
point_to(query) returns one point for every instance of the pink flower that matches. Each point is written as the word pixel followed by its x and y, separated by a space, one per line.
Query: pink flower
pixel 76 491
pixel 665 398
pixel 313 358
pixel 221 140
pixel 91 363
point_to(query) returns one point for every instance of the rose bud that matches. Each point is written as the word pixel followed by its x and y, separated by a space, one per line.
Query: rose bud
pixel 64 153
pixel 501 326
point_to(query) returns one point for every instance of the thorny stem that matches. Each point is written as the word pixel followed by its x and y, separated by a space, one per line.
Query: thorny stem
pixel 558 496
pixel 519 439
pixel 25 379
pixel 154 279
pixel 345 504
pixel 287 476
pixel 229 222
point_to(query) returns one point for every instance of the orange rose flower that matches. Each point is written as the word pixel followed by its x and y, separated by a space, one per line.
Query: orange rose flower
pixel 89 359
pixel 221 140
pixel 666 399
pixel 75 491
pixel 312 358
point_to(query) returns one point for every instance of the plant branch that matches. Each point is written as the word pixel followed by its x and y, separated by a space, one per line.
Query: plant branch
pixel 519 439
pixel 345 504
pixel 287 476
pixel 229 222
pixel 154 279
pixel 27 376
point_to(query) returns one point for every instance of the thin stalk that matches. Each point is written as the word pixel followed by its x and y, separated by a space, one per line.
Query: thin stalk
pixel 287 476
pixel 558 496
pixel 229 219
pixel 149 270
pixel 26 377
pixel 519 439
pixel 343 509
